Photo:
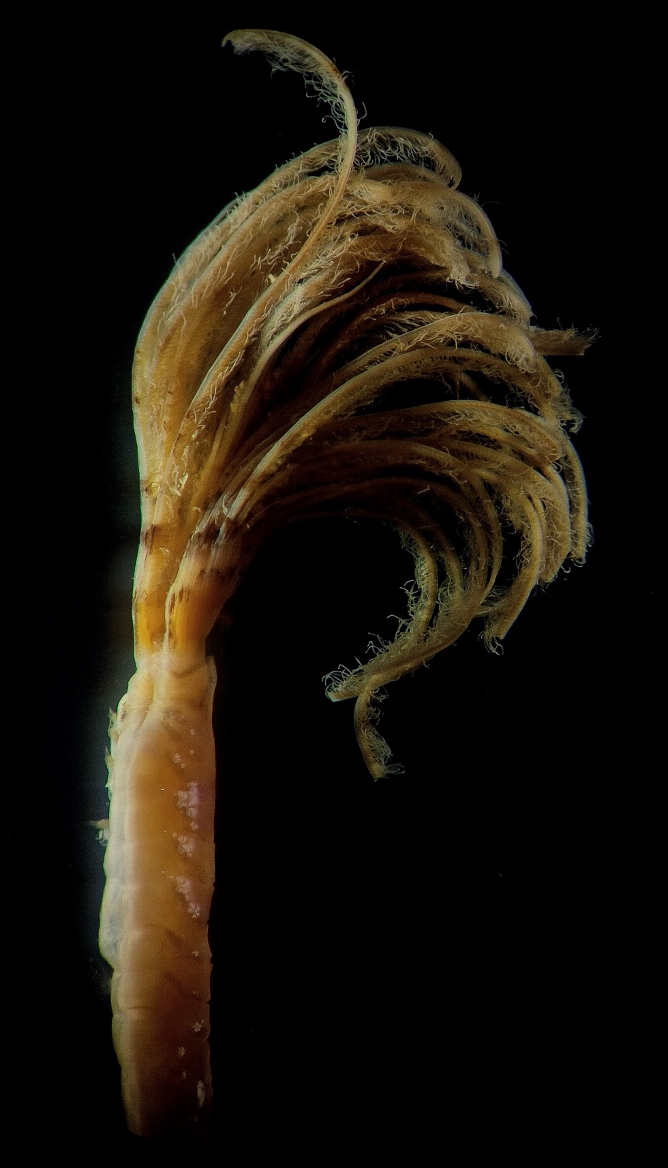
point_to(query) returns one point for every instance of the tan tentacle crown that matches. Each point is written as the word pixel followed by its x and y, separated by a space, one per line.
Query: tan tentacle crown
pixel 266 383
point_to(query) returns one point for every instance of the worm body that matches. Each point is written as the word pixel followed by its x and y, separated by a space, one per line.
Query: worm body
pixel 160 870
pixel 342 340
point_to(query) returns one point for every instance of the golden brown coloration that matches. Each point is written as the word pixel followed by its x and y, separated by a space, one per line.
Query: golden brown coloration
pixel 260 390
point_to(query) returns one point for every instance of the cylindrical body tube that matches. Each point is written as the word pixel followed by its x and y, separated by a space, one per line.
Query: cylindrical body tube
pixel 160 873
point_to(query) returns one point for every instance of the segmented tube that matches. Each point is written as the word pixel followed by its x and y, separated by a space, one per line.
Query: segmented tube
pixel 160 871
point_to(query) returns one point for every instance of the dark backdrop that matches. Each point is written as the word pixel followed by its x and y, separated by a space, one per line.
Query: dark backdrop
pixel 438 964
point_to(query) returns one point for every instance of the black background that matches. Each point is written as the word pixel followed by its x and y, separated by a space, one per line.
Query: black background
pixel 443 964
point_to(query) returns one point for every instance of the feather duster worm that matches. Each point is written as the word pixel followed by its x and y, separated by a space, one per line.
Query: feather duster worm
pixel 260 396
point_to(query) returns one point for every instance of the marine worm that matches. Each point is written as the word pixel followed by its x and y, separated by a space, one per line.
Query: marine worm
pixel 260 397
